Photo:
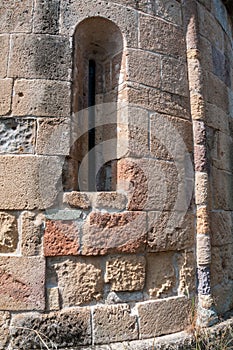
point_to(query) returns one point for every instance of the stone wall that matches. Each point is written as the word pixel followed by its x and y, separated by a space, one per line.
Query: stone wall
pixel 90 268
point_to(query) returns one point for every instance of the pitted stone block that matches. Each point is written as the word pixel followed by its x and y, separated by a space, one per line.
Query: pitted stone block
pixel 8 233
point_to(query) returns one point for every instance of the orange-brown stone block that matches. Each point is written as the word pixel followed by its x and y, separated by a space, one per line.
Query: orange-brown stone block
pixel 203 221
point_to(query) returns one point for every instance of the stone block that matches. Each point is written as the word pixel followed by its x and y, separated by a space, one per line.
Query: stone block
pixel 17 135
pixel 221 66
pixel 220 12
pixel 4 329
pixel 169 10
pixel 80 280
pixel 53 136
pixel 125 18
pixel 22 283
pixel 162 317
pixel 205 49
pixel 109 200
pixel 164 43
pixel 46 17
pixel 221 146
pixel 105 233
pixel 41 98
pixel 40 56
pixel 223 297
pixel 199 132
pixel 144 68
pixel 222 189
pixel 218 93
pixel 31 231
pixel 222 264
pixel 6 96
pixel 202 223
pixel 126 273
pixel 186 262
pixel 4 44
pixel 65 329
pixel 8 233
pixel 53 298
pixel 174 76
pixel 29 182
pixel 170 231
pixel 61 238
pixel 216 118
pixel 195 74
pixel 16 16
pixel 221 228
pixel 200 158
pixel 203 249
pixel 197 104
pixel 201 188
pixel 114 323
pixel 135 95
pixel 77 200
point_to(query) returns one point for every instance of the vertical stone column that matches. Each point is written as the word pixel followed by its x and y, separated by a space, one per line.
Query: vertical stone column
pixel 206 315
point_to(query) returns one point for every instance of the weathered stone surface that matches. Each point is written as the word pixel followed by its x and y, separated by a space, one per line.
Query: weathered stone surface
pixel 170 231
pixel 63 329
pixel 200 158
pixel 114 323
pixel 17 135
pixel 22 283
pixel 197 105
pixel 144 68
pixel 53 136
pixel 50 98
pixel 125 273
pixel 79 280
pixel 6 95
pixel 110 200
pixel 221 228
pixel 61 238
pixel 164 43
pixel 31 230
pixel 221 66
pixel 163 316
pixel 203 249
pixel 16 16
pixel 201 188
pixel 29 182
pixel 4 44
pixel 174 76
pixel 203 279
pixel 52 300
pixel 46 16
pixel 8 233
pixel 199 132
pixel 222 264
pixel 202 224
pixel 4 329
pixel 205 51
pixel 220 146
pixel 40 56
pixel 216 118
pixel 222 189
pixel 223 296
pixel 186 262
pixel 77 199
pixel 169 10
pixel 218 93
pixel 105 233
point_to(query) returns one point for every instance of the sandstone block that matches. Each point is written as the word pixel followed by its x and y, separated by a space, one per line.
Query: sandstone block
pixel 4 329
pixel 221 146
pixel 222 189
pixel 222 264
pixel 40 56
pixel 61 238
pixel 205 49
pixel 6 95
pixel 200 158
pixel 165 316
pixel 53 136
pixel 22 283
pixel 4 44
pixel 170 231
pixel 218 93
pixel 53 297
pixel 41 98
pixel 169 10
pixel 195 72
pixel 197 104
pixel 216 118
pixel 65 329
pixel 174 76
pixel 17 135
pixel 203 224
pixel 79 280
pixel 8 233
pixel 221 66
pixel 109 200
pixel 135 95
pixel 144 68
pixel 203 249
pixel 16 16
pixel 223 296
pixel 31 230
pixel 125 273
pixel 46 17
pixel 221 228
pixel 29 182
pixel 114 323
pixel 77 199
pixel 164 43
pixel 201 188
pixel 199 132
pixel 105 233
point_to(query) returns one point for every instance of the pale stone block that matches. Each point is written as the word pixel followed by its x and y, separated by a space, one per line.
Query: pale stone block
pixel 222 264
pixel 8 233
pixel 169 10
pixel 6 95
pixel 4 44
pixel 110 200
pixel 4 329
pixel 77 199
pixel 31 229
pixel 218 93
pixel 221 228
pixel 174 76
pixel 201 188
pixel 53 303
pixel 16 16
pixel 203 249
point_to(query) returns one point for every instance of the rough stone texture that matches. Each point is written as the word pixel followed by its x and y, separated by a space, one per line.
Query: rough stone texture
pixel 53 136
pixel 163 316
pixel 17 135
pixel 201 188
pixel 79 280
pixel 203 273
pixel 170 231
pixel 222 264
pixel 218 93
pixel 203 221
pixel 29 182
pixel 221 228
pixel 52 300
pixel 77 199
pixel 220 146
pixel 199 132
pixel 58 329
pixel 8 233
pixel 114 323
pixel 113 233
pixel 40 56
pixel 46 16
pixel 221 66
pixel 16 16
pixel 174 76
pixel 216 118
pixel 203 246
pixel 22 283
pixel 5 98
pixel 50 98
pixel 187 273
pixel 4 44
pixel 110 200
pixel 31 230
pixel 61 238
pixel 4 329
pixel 125 273
pixel 221 182
pixel 223 296
pixel 169 10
